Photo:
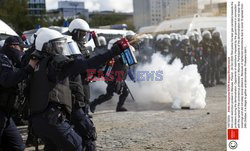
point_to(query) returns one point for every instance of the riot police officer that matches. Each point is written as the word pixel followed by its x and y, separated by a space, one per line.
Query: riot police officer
pixel 174 48
pixel 50 94
pixel 10 76
pixel 184 50
pixel 166 44
pixel 117 85
pixel 207 57
pixel 196 53
pixel 219 56
pixel 83 125
pixel 80 32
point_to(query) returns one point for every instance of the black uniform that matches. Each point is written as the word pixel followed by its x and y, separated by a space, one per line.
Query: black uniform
pixel 83 124
pixel 115 86
pixel 51 99
pixel 219 59
pixel 145 51
pixel 196 52
pixel 86 89
pixel 208 54
pixel 174 50
pixel 184 52
pixel 10 76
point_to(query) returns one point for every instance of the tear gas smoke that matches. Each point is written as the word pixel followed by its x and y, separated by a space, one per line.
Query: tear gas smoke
pixel 179 86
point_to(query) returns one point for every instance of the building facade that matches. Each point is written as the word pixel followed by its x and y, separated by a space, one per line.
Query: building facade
pixel 73 9
pixel 152 12
pixel 217 9
pixel 36 7
pixel 142 13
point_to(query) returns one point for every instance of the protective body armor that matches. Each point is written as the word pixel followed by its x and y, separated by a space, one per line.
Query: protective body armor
pixel 43 91
pixel 208 49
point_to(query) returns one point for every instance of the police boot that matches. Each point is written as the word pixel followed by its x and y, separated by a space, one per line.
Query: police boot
pixel 121 101
pixel 121 109
pixel 99 100
pixel 92 106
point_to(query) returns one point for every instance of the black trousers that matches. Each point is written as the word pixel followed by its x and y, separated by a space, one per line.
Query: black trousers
pixel 10 138
pixel 57 134
pixel 110 90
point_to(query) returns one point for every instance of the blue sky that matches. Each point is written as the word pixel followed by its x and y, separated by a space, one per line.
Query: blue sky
pixel 117 5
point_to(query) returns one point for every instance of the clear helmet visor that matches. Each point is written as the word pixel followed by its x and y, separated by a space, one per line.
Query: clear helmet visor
pixel 59 46
pixel 83 36
pixel 72 48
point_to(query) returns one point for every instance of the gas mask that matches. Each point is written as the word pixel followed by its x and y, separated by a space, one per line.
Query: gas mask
pixel 80 35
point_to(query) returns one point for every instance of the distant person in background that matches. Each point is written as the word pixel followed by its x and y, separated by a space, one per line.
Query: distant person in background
pixel 80 32
pixel 219 56
pixel 117 85
pixel 208 54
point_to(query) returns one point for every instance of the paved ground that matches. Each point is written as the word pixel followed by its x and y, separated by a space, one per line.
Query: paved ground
pixel 157 127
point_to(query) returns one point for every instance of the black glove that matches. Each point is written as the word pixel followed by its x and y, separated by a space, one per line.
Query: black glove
pixel 59 61
pixel 116 49
pixel 119 46
pixel 36 55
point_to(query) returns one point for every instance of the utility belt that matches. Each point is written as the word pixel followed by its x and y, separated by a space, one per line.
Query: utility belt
pixel 55 113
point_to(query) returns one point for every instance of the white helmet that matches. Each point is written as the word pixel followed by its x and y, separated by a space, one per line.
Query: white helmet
pixel 196 35
pixel 111 42
pixel 166 36
pixel 206 34
pixel 216 34
pixel 79 24
pixel 130 35
pixel 33 37
pixel 190 34
pixel 79 30
pixel 102 40
pixel 173 36
pixel 43 29
pixel 150 36
pixel 50 41
pixel 159 37
pixel 72 48
pixel 184 37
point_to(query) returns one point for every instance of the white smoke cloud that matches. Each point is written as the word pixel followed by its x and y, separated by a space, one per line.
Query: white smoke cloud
pixel 181 87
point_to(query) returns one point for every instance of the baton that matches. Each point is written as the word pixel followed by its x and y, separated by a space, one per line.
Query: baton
pixel 129 91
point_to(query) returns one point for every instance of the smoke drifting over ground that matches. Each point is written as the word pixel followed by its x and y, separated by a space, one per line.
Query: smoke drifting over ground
pixel 177 85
